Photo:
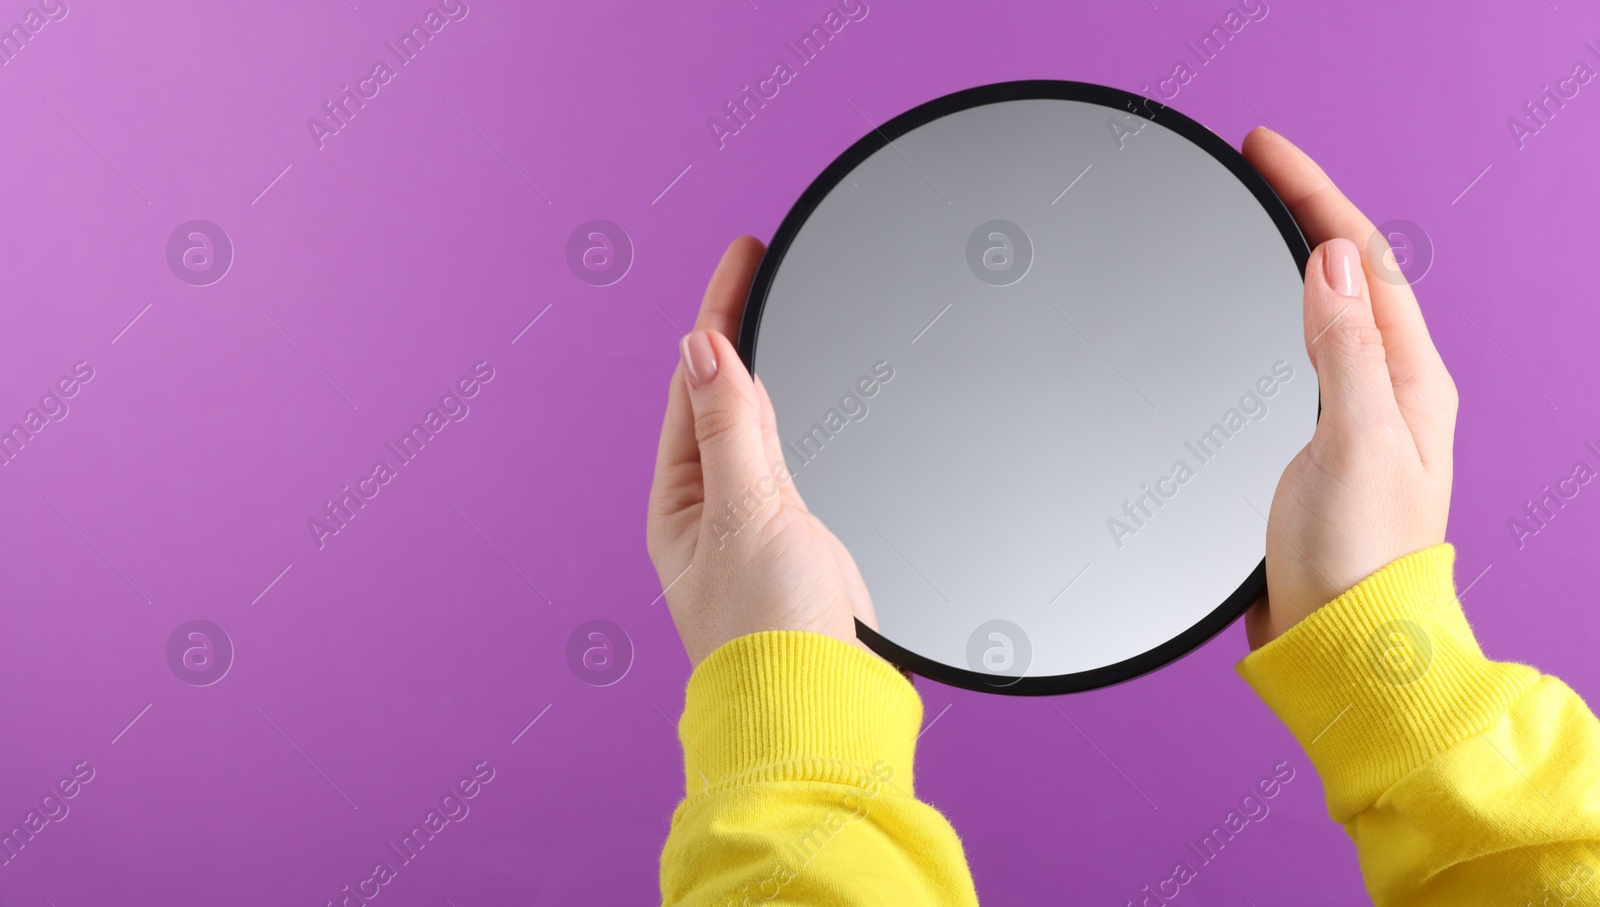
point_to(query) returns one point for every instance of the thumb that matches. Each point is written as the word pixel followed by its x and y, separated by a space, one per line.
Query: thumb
pixel 1342 338
pixel 727 428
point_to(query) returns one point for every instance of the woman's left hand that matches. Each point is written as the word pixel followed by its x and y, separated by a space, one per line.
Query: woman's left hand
pixel 733 544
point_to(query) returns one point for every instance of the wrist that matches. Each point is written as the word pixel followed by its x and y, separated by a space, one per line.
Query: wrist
pixel 1381 679
pixel 790 705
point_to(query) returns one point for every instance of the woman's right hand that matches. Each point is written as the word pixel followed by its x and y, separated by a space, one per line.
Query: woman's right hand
pixel 1373 485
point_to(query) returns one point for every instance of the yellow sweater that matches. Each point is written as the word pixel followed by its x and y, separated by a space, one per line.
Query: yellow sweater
pixel 1462 781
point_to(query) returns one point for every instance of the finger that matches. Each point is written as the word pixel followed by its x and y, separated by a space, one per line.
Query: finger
pixel 1343 341
pixel 1423 390
pixel 772 445
pixel 723 306
pixel 727 428
pixel 677 483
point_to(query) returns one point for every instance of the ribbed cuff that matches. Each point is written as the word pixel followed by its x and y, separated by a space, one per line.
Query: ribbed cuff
pixel 1383 678
pixel 786 705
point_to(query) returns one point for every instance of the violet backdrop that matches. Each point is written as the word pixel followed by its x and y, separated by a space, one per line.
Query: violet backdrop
pixel 429 234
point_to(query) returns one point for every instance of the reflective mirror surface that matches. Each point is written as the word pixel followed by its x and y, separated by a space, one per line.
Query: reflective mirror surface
pixel 1037 359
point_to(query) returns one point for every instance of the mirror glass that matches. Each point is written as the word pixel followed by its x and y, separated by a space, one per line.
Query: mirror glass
pixel 1037 359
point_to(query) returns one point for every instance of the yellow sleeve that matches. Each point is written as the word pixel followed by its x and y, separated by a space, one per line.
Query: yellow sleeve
pixel 1462 781
pixel 797 751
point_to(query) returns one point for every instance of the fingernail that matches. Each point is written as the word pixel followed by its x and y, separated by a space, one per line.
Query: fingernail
pixel 698 359
pixel 1341 267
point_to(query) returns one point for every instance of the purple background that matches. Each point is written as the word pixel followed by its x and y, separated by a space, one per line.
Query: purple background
pixel 376 671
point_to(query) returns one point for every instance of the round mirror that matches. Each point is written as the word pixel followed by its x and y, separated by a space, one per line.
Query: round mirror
pixel 1037 359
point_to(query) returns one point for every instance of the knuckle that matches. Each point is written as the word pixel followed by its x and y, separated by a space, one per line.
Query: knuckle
pixel 1358 341
pixel 653 547
pixel 655 538
pixel 713 424
pixel 661 537
pixel 1435 388
pixel 1449 396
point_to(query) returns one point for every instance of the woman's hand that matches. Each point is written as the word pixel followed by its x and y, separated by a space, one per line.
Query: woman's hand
pixel 735 547
pixel 1374 483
